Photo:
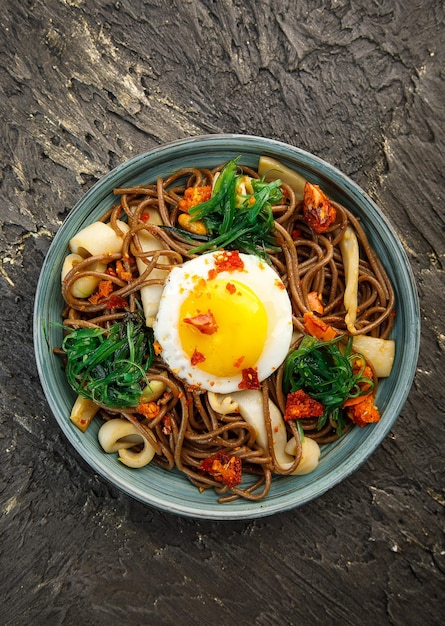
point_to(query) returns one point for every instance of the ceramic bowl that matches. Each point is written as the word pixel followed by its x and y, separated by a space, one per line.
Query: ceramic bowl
pixel 171 491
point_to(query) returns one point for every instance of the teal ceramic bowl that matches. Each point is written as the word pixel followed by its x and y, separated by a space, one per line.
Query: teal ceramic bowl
pixel 171 491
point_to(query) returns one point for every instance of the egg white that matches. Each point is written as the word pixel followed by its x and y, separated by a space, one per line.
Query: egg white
pixel 256 275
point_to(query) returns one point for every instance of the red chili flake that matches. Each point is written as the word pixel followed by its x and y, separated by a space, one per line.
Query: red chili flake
pixel 145 216
pixel 224 468
pixel 296 234
pixel 228 261
pixel 167 425
pixel 279 284
pixel 197 357
pixel 212 274
pixel 205 323
pixel 116 302
pixel 299 405
pixel 231 288
pixel 250 379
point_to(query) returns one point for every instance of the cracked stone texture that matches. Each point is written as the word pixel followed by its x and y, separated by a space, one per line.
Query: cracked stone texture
pixel 87 84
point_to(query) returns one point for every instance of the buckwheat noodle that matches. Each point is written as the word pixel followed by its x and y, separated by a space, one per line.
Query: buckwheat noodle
pixel 187 429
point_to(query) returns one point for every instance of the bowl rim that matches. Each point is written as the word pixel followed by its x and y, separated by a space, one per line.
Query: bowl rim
pixel 339 182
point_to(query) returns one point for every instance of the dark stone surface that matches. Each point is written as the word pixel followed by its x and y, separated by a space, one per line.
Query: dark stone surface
pixel 87 84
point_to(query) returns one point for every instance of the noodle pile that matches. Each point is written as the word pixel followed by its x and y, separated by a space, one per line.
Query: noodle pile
pixel 187 429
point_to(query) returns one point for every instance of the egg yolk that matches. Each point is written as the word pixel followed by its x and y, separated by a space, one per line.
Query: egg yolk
pixel 234 339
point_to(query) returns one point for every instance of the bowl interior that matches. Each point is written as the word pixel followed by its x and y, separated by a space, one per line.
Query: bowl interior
pixel 170 490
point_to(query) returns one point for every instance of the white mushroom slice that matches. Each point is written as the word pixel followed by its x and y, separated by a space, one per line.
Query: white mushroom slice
pixel 222 404
pixel 151 294
pixel 350 254
pixel 85 286
pixel 153 390
pixel 98 238
pixel 310 455
pixel 379 352
pixel 136 459
pixel 83 412
pixel 273 170
pixel 117 435
pixel 250 405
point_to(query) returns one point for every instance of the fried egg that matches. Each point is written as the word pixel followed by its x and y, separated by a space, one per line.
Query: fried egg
pixel 221 314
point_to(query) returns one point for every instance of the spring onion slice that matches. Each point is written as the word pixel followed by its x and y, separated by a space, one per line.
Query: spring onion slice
pixel 109 366
pixel 327 374
pixel 237 222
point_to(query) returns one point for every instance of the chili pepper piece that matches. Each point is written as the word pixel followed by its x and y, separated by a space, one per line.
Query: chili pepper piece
pixel 249 379
pixel 364 412
pixel 205 323
pixel 318 211
pixel 299 405
pixel 224 468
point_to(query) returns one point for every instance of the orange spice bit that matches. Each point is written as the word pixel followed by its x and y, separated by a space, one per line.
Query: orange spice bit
pixel 199 284
pixel 364 386
pixel 279 284
pixel 364 412
pixel 238 362
pixel 194 196
pixel 317 328
pixel 315 303
pixel 122 273
pixel 148 409
pixel 197 357
pixel 299 405
pixel 231 288
pixel 167 426
pixel 205 323
pixel 111 271
pixel 157 347
pixel 224 468
pixel 318 211
pixel 212 274
pixel 104 289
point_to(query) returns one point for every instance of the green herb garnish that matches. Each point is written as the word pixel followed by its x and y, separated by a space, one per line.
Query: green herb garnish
pixel 109 366
pixel 238 222
pixel 327 374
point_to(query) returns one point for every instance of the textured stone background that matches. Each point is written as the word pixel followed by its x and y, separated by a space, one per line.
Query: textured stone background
pixel 87 84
